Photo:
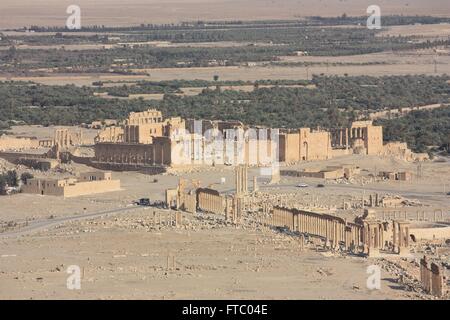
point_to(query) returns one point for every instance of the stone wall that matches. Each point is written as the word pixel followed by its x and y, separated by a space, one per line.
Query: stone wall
pixel 91 187
pixel 71 187
pixel 14 143
pixel 304 145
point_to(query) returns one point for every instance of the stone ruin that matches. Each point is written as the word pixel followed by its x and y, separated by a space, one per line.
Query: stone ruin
pixel 432 278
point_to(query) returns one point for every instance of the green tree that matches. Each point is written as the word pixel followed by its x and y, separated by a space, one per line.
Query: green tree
pixel 25 176
pixel 3 184
pixel 11 178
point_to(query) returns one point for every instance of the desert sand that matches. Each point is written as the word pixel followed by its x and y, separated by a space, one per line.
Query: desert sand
pixel 19 13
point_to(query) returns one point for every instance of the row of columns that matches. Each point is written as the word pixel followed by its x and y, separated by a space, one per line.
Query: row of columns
pixel 172 220
pixel 138 158
pixel 373 238
pixel 432 278
pixel 241 176
pixel 400 236
pixel 333 230
pixel 211 203
pixel 437 215
pixel 343 137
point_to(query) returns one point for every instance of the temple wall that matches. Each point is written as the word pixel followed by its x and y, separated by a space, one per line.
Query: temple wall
pixel 374 140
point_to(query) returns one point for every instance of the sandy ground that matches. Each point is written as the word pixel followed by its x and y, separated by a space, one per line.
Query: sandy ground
pixel 124 255
pixel 127 261
pixel 18 13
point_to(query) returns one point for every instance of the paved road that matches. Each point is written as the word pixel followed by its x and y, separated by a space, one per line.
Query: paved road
pixel 37 225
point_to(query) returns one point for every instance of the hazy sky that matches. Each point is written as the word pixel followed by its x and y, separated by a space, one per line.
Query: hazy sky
pixel 17 13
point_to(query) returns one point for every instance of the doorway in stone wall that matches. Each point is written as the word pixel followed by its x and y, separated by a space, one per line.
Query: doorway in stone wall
pixel 305 152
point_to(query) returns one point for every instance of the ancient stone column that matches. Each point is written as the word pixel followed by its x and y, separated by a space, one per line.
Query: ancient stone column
pixel 425 275
pixel 255 184
pixel 346 138
pixel 395 236
pixel 437 280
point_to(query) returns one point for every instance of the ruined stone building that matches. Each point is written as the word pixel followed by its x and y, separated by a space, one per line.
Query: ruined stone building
pixel 21 143
pixel 194 198
pixel 305 145
pixel 64 138
pixel 432 277
pixel 147 139
pixel 361 138
pixel 110 134
pixel 144 140
pixel 330 172
pixel 401 150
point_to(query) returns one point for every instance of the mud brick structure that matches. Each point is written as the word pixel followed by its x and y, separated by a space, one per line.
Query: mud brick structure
pixel 87 183
pixel 329 173
pixel 401 175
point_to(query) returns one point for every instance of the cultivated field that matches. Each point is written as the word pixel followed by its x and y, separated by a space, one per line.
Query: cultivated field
pixel 380 64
